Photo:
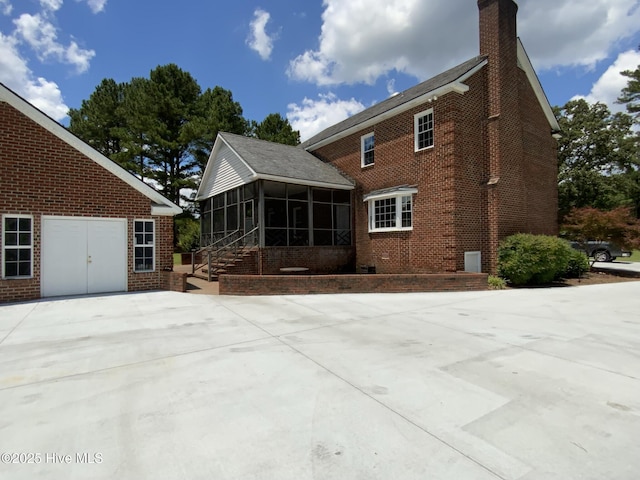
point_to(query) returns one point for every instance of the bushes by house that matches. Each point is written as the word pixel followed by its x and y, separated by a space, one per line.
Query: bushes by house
pixel 525 259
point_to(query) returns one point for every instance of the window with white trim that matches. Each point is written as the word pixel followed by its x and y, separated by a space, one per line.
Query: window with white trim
pixel 367 143
pixel 17 246
pixel 144 245
pixel 391 211
pixel 423 128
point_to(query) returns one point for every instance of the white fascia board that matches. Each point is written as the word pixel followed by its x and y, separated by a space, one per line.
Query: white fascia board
pixel 523 58
pixel 70 139
pixel 207 171
pixel 309 183
pixel 390 194
pixel 456 86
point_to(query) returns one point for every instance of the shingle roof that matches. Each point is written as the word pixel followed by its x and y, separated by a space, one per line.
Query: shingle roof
pixel 284 161
pixel 396 101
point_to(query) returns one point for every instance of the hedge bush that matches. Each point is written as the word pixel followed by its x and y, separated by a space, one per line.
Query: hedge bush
pixel 578 264
pixel 525 259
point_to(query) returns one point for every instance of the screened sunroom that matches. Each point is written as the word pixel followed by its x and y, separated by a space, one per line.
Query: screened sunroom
pixel 275 196
pixel 284 214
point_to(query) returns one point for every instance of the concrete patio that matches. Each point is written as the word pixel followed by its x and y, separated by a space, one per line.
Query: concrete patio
pixel 518 384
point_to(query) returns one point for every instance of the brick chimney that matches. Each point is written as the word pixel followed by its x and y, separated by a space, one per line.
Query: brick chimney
pixel 499 42
pixel 506 197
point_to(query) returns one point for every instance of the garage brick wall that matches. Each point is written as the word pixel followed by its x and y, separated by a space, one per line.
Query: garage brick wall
pixel 42 175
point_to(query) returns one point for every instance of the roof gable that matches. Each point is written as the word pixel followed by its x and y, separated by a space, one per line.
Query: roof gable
pixel 448 81
pixel 160 205
pixel 445 82
pixel 238 160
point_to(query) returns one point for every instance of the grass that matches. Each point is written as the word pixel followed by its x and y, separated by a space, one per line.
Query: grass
pixel 635 257
pixel 176 259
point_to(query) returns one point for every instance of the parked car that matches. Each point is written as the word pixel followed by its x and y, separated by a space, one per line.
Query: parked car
pixel 601 251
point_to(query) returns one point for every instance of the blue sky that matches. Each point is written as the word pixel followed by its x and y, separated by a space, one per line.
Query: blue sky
pixel 315 62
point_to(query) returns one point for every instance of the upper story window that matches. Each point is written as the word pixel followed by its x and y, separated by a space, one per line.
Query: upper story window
pixel 367 151
pixel 17 246
pixel 423 127
pixel 391 210
pixel 144 246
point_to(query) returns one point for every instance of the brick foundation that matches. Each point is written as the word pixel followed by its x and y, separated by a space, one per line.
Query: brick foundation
pixel 316 284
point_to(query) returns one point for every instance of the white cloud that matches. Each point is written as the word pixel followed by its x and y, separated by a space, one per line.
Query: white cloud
pixel 259 40
pixel 362 40
pixel 41 36
pixel 52 5
pixel 313 116
pixel 5 7
pixel 96 6
pixel 609 86
pixel 15 73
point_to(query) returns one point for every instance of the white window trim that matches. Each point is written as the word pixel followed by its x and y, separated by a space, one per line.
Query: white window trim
pixel 363 138
pixel 144 245
pixel 416 117
pixel 398 216
pixel 4 247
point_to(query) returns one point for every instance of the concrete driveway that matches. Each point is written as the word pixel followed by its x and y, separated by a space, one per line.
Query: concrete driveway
pixel 518 384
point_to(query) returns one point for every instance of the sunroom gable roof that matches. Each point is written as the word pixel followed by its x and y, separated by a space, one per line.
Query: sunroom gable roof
pixel 237 160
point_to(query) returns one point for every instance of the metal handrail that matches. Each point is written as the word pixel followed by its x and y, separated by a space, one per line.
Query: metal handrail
pixel 208 248
pixel 229 247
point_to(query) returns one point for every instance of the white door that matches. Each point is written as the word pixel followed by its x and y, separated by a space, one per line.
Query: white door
pixel 82 256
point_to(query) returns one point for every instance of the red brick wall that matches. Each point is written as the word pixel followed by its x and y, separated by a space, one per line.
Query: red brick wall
pixel 495 131
pixel 316 259
pixel 310 284
pixel 42 175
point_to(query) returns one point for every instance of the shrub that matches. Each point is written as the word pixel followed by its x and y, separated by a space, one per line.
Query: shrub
pixel 525 259
pixel 496 283
pixel 578 264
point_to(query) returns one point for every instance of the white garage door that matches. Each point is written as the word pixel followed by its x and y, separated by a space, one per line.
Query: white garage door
pixel 81 256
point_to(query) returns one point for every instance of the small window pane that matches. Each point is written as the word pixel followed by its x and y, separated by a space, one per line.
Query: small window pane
pixel 139 238
pixel 11 254
pixel 24 254
pixel 24 269
pixel 139 227
pixel 321 216
pixel 232 218
pixel 297 192
pixel 323 237
pixel 298 237
pixel 276 237
pixel 343 237
pixel 25 224
pixel 11 269
pixel 232 197
pixel 342 196
pixel 10 224
pixel 218 201
pixel 275 190
pixel 406 212
pixel 275 213
pixel 11 239
pixel 298 215
pixel 25 239
pixel 321 195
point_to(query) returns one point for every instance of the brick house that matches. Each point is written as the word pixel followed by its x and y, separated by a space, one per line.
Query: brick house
pixel 441 172
pixel 73 221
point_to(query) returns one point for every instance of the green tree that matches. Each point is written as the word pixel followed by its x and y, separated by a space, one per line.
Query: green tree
pixel 630 95
pixel 99 119
pixel 275 128
pixel 596 156
pixel 160 128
